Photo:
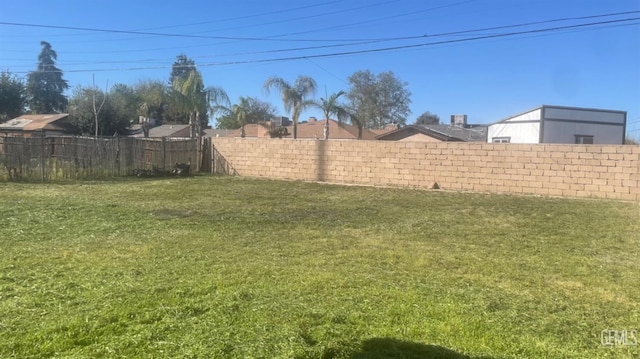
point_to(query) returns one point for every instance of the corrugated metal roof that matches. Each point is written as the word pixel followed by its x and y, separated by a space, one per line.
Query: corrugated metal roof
pixel 33 122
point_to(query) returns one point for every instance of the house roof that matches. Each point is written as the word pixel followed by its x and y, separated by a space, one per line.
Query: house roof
pixel 443 132
pixel 413 129
pixel 380 131
pixel 471 133
pixel 35 122
pixel 559 107
pixel 168 130
pixel 250 130
pixel 214 132
pixel 312 129
pixel 337 131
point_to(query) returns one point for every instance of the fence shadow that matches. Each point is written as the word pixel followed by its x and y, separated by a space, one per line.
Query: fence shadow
pixel 321 153
pixel 391 348
pixel 220 165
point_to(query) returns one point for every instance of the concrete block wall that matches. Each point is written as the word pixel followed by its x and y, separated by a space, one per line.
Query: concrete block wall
pixel 602 171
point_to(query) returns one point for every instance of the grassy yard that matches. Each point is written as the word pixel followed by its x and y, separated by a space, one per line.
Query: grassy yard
pixel 225 267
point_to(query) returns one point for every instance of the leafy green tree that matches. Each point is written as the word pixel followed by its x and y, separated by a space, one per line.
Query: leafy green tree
pixel 428 118
pixel 152 99
pixel 357 121
pixel 379 99
pixel 331 106
pixel 125 101
pixel 46 86
pixel 82 113
pixel 181 68
pixel 257 111
pixel 191 97
pixel 238 112
pixel 174 112
pixel 294 96
pixel 13 96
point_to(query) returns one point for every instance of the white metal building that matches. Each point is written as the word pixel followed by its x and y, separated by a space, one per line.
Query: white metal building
pixel 557 124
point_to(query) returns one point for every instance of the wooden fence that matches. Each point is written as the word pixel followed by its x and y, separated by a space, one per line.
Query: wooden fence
pixel 58 158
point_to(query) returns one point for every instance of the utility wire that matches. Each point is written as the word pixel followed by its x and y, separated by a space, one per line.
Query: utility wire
pixel 351 24
pixel 274 39
pixel 453 33
pixel 384 49
pixel 250 16
pixel 304 18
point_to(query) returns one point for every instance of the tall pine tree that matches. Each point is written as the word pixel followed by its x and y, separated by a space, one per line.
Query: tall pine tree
pixel 45 86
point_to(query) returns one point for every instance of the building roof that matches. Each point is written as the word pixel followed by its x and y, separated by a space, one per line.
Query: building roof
pixel 312 129
pixel 250 130
pixel 471 133
pixel 337 131
pixel 381 131
pixel 412 130
pixel 214 132
pixel 35 122
pixel 168 130
pixel 558 107
pixel 477 133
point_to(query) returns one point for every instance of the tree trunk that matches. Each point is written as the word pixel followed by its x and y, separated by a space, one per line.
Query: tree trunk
pixel 326 129
pixel 295 129
pixel 191 130
pixel 198 125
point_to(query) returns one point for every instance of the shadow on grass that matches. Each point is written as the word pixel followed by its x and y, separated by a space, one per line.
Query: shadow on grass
pixel 387 348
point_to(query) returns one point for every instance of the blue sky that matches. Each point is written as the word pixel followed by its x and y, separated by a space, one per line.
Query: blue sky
pixel 238 44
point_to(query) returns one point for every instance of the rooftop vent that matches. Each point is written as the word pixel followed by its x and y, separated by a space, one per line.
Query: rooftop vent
pixel 459 120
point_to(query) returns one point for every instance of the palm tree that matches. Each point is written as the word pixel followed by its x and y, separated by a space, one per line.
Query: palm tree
pixel 152 97
pixel 293 96
pixel 191 95
pixel 238 112
pixel 330 106
pixel 357 121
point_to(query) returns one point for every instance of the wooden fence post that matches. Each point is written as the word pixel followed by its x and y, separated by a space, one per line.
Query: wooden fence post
pixel 43 160
pixel 117 159
pixel 164 153
pixel 198 151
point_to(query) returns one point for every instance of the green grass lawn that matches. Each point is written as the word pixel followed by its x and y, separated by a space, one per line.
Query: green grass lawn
pixel 226 267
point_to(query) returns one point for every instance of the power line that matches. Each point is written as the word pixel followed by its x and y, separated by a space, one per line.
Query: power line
pixel 306 18
pixel 369 41
pixel 132 32
pixel 250 16
pixel 274 37
pixel 351 24
pixel 384 49
pixel 154 33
